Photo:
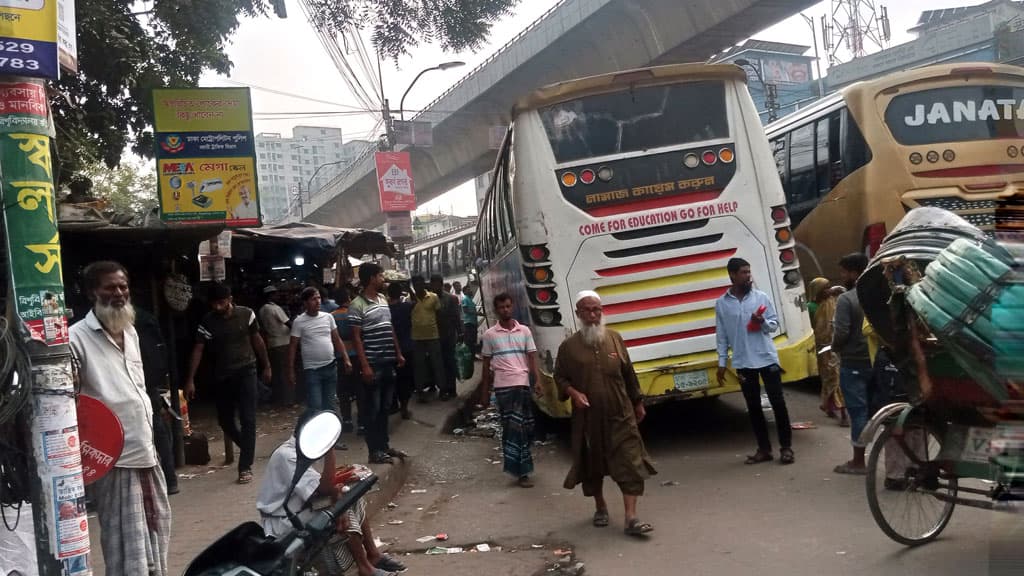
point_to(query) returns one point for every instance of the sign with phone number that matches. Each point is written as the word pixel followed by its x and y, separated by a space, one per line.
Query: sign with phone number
pixel 28 38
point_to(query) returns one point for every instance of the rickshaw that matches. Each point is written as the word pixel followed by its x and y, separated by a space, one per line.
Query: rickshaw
pixel 945 299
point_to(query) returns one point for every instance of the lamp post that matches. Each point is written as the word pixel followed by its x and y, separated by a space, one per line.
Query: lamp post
pixel 309 184
pixel 770 93
pixel 442 66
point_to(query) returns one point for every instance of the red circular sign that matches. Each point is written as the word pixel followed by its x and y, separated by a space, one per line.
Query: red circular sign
pixel 102 438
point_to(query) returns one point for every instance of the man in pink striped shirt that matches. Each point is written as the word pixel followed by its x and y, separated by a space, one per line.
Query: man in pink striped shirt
pixel 510 357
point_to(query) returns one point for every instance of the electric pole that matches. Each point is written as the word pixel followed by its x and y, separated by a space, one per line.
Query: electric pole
pixel 36 306
pixel 771 101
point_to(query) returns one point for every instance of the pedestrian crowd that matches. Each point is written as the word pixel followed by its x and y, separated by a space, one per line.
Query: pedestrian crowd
pixel 382 345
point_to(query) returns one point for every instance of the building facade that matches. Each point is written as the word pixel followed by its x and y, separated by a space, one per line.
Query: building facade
pixel 287 165
pixel 779 75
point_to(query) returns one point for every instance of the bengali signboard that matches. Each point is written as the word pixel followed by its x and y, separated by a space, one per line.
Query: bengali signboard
pixel 206 165
pixel 395 182
pixel 28 38
pixel 30 214
pixel 399 226
pixel 67 31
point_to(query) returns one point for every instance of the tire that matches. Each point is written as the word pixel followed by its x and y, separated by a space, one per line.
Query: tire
pixel 914 491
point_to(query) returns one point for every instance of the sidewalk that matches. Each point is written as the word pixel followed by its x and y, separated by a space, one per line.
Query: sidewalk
pixel 211 503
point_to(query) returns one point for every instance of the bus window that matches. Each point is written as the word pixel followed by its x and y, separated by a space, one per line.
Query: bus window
pixel 856 152
pixel 636 120
pixel 821 146
pixel 781 152
pixel 801 194
pixel 956 114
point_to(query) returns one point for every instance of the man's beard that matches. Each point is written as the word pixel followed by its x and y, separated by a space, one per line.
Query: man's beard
pixel 115 319
pixel 593 334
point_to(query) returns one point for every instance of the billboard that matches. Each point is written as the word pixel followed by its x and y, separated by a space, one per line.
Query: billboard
pixel 414 133
pixel 395 182
pixel 206 164
pixel 28 38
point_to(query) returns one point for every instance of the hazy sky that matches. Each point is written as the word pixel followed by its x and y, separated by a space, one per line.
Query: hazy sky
pixel 286 56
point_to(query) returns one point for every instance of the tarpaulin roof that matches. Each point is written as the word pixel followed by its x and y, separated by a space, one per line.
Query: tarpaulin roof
pixel 355 241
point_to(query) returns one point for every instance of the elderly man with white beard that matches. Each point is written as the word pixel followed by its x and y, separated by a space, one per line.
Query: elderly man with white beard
pixel 593 369
pixel 131 500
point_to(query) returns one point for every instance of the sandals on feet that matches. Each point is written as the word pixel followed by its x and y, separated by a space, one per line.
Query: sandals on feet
pixel 601 518
pixel 396 453
pixel 848 468
pixel 525 482
pixel 381 458
pixel 637 528
pixel 759 457
pixel 389 564
pixel 245 477
pixel 786 456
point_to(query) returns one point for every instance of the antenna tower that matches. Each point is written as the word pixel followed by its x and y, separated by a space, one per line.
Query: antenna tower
pixel 856 28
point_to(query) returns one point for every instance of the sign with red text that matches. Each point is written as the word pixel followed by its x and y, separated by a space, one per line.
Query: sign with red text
pixel 395 182
pixel 102 438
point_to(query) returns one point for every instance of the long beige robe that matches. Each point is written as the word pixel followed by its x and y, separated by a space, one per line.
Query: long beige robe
pixel 605 437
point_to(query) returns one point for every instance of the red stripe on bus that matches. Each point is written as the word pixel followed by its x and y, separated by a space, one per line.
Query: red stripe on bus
pixel 666 263
pixel 664 301
pixel 654 203
pixel 670 337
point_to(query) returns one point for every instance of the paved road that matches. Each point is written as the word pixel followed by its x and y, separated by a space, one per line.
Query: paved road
pixel 722 518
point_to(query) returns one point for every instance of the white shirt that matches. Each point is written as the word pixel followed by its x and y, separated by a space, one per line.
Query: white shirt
pixel 243 211
pixel 116 378
pixel 275 323
pixel 314 334
pixel 274 487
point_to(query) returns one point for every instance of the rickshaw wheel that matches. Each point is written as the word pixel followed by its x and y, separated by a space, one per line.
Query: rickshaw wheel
pixel 902 493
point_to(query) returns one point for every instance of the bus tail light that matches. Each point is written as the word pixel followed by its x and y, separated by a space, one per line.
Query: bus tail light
pixel 546 317
pixel 787 256
pixel 604 174
pixel 539 275
pixel 1011 151
pixel 783 235
pixel 709 157
pixel 791 278
pixel 587 176
pixel 568 179
pixel 535 254
pixel 873 237
pixel 779 214
pixel 726 155
pixel 691 160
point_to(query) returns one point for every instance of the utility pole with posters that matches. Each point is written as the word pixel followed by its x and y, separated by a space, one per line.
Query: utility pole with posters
pixel 35 304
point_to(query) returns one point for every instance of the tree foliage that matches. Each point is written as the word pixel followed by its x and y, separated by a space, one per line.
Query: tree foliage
pixel 130 188
pixel 126 48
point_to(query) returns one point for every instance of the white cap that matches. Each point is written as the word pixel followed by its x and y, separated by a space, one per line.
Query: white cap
pixel 586 294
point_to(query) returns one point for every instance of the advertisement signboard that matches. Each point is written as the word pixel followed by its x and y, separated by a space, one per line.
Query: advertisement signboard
pixel 28 38
pixel 206 164
pixel 395 182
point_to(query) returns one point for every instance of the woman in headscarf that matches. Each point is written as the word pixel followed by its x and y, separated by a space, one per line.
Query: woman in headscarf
pixel 822 304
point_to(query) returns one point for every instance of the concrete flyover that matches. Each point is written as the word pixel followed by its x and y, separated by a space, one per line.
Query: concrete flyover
pixel 575 38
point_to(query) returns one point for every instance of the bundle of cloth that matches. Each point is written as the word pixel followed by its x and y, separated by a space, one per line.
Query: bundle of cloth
pixel 972 299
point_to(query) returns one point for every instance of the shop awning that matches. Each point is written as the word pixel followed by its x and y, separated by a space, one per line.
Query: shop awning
pixel 355 241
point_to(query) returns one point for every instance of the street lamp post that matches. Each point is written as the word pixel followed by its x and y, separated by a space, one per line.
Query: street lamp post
pixel 770 90
pixel 442 66
pixel 309 184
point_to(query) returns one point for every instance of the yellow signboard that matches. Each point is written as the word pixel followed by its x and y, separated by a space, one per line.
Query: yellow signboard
pixel 206 156
pixel 28 38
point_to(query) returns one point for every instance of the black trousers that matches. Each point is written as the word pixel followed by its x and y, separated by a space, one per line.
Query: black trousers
pixel 238 391
pixel 164 440
pixel 772 378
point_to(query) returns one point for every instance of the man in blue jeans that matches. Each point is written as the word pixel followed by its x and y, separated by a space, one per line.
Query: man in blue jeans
pixel 745 319
pixel 317 333
pixel 849 343
pixel 379 353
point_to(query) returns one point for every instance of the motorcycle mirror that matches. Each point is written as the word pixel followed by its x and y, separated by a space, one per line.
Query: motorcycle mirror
pixel 318 435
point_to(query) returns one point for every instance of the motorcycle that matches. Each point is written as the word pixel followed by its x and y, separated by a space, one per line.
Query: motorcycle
pixel 247 551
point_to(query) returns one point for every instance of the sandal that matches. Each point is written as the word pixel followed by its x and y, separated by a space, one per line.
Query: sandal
pixel 245 477
pixel 381 458
pixel 601 518
pixel 396 453
pixel 847 468
pixel 637 528
pixel 759 457
pixel 525 482
pixel 786 456
pixel 389 564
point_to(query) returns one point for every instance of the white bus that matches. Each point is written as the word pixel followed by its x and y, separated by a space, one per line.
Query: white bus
pixel 641 185
pixel 450 253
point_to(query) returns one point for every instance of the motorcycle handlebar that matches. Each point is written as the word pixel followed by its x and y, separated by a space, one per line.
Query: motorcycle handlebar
pixel 324 521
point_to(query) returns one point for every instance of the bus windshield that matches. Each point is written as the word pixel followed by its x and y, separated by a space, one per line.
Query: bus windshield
pixel 957 114
pixel 636 119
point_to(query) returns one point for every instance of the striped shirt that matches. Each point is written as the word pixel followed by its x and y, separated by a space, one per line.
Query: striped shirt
pixel 507 351
pixel 373 318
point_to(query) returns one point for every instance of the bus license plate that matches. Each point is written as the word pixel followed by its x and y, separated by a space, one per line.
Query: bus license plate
pixel 686 381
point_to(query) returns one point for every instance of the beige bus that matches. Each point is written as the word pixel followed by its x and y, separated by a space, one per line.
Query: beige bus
pixel 948 136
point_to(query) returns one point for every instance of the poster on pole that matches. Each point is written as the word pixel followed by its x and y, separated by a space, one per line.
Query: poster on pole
pixel 67 31
pixel 28 36
pixel 399 226
pixel 206 162
pixel 395 182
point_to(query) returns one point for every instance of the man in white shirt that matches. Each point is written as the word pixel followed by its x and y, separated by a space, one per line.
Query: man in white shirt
pixel 131 500
pixel 277 333
pixel 317 332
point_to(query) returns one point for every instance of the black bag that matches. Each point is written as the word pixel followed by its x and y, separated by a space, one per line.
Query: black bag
pixel 887 383
pixel 197 450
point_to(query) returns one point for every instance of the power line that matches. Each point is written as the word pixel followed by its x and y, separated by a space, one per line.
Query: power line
pixel 291 95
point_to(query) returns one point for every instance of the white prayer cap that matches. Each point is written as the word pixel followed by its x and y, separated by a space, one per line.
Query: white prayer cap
pixel 586 294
